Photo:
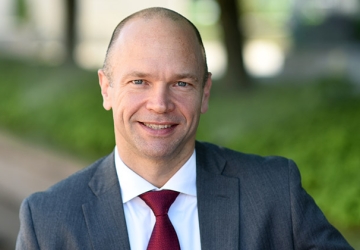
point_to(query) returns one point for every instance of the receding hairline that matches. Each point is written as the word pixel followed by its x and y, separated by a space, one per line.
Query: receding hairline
pixel 150 13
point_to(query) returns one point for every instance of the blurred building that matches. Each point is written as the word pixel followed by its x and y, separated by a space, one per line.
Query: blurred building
pixel 297 39
pixel 325 40
pixel 35 29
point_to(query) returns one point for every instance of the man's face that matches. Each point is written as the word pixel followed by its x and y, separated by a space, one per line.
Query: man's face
pixel 156 91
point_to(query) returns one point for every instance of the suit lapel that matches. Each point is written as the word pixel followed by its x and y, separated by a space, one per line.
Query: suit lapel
pixel 104 214
pixel 218 205
pixel 218 202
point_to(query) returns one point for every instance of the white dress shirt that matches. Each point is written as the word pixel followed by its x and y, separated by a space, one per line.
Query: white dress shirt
pixel 183 213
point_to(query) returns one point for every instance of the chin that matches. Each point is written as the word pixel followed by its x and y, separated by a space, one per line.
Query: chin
pixel 160 151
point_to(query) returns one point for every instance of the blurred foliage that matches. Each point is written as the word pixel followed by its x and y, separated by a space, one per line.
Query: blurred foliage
pixel 21 11
pixel 315 124
pixel 266 6
pixel 60 106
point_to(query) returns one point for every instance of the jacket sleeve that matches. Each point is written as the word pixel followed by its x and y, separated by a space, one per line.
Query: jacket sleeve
pixel 311 230
pixel 26 239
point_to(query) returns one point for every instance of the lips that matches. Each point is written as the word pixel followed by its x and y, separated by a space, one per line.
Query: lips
pixel 157 126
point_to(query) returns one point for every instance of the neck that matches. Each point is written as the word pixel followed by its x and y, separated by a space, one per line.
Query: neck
pixel 155 171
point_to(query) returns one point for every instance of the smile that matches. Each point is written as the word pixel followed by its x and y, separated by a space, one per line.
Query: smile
pixel 157 126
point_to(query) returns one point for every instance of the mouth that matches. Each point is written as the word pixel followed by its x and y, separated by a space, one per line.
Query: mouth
pixel 157 126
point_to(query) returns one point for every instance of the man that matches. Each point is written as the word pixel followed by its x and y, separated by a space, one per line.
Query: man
pixel 155 80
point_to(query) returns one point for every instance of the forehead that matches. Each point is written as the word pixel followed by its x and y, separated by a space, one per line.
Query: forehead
pixel 158 29
pixel 158 39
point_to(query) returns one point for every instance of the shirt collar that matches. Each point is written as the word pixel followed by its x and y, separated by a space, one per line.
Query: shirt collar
pixel 132 185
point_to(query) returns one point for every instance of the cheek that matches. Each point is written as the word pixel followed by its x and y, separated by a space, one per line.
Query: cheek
pixel 190 107
pixel 118 105
pixel 127 104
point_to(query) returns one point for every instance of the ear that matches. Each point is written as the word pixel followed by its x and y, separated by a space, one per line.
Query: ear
pixel 105 89
pixel 206 95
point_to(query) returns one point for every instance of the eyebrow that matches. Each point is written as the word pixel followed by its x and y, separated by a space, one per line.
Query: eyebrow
pixel 140 74
pixel 187 76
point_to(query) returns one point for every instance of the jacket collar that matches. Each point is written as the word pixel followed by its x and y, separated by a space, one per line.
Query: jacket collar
pixel 104 213
pixel 218 200
pixel 218 204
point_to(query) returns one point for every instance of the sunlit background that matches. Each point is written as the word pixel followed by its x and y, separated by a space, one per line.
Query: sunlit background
pixel 297 93
pixel 274 31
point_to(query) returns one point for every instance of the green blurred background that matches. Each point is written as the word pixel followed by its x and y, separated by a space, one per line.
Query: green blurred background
pixel 286 82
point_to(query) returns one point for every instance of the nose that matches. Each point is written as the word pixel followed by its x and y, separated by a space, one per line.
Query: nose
pixel 160 100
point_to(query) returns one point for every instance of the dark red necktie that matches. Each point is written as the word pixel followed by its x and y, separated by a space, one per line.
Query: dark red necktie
pixel 163 236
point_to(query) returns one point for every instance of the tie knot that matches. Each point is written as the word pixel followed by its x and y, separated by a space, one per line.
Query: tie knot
pixel 159 201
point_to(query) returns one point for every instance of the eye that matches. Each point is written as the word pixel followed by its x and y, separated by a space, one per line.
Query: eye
pixel 182 84
pixel 138 82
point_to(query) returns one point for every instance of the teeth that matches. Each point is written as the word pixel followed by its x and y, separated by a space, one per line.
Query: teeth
pixel 155 126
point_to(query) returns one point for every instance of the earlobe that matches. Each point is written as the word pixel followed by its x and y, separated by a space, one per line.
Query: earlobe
pixel 105 89
pixel 206 95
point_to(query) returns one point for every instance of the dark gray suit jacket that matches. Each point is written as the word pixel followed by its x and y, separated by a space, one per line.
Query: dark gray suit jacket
pixel 244 202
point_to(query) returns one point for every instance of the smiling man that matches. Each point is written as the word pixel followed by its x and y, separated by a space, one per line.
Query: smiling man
pixel 155 84
pixel 160 188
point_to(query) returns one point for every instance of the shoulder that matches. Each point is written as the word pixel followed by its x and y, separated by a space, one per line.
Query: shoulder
pixel 48 218
pixel 253 171
pixel 73 189
pixel 243 162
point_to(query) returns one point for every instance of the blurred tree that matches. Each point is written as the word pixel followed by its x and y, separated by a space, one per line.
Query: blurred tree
pixel 236 74
pixel 70 38
pixel 21 11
